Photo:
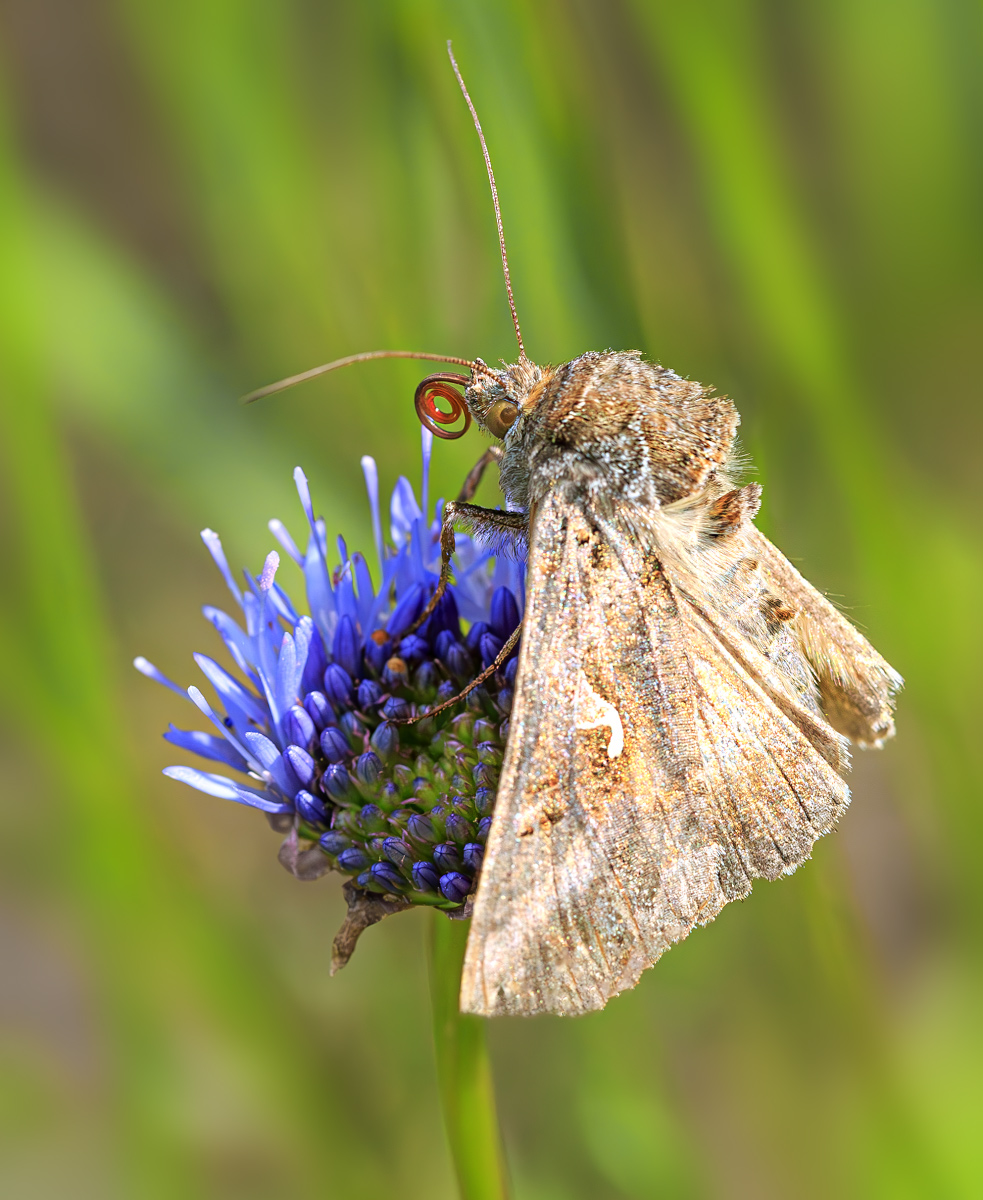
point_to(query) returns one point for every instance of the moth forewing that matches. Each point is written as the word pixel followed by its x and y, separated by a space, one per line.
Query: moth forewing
pixel 597 864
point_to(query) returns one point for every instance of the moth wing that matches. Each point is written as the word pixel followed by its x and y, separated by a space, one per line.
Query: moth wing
pixel 856 685
pixel 648 779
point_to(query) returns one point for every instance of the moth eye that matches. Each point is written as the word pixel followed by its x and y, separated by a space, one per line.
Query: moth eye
pixel 501 417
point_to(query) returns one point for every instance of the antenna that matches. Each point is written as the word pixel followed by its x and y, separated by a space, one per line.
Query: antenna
pixel 498 211
pixel 313 373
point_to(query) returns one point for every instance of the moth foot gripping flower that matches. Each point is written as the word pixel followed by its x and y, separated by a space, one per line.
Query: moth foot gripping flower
pixel 305 724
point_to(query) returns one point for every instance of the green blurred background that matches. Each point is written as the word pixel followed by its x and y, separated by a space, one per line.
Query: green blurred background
pixel 780 198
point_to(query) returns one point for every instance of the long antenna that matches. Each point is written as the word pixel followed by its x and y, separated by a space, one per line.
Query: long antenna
pixel 282 384
pixel 494 192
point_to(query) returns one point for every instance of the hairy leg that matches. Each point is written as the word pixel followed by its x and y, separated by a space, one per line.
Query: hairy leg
pixel 490 521
pixel 480 520
pixel 473 478
pixel 500 660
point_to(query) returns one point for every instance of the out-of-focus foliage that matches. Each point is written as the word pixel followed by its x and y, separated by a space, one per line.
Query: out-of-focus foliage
pixel 199 196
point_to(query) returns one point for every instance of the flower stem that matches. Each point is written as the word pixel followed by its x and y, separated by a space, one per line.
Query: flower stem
pixel 464 1072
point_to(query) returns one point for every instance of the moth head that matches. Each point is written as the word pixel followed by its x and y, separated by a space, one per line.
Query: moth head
pixel 498 399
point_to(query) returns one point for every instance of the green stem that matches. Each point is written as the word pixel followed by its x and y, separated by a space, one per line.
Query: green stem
pixel 464 1072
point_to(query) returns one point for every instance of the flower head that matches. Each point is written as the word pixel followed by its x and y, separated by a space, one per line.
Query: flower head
pixel 305 719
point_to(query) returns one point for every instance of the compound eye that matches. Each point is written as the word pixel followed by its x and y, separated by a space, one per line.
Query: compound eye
pixel 501 417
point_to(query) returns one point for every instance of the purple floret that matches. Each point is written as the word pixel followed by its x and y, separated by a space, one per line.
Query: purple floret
pixel 306 712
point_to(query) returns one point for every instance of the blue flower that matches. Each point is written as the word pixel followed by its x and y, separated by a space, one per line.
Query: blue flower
pixel 302 718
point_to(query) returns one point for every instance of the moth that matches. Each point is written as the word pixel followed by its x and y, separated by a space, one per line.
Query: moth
pixel 684 700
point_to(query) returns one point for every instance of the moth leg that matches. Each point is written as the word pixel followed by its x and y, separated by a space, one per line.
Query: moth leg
pixel 480 520
pixel 500 659
pixel 471 482
pixel 474 476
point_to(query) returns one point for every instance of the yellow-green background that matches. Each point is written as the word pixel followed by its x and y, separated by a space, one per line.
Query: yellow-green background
pixel 781 197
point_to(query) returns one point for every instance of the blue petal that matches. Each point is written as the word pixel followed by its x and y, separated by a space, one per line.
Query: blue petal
pixel 510 572
pixel 267 643
pixel 371 473
pixel 214 544
pixel 203 706
pixel 381 603
pixel 264 751
pixel 345 590
pixel 303 634
pixel 366 593
pixel 283 604
pixel 212 785
pixel 316 662
pixel 473 587
pixel 405 574
pixel 403 511
pixel 407 610
pixel 261 800
pixel 236 639
pixel 304 492
pixel 282 535
pixel 241 705
pixel 207 746
pixel 320 595
pixel 320 530
pixel 267 754
pixel 346 651
pixel 288 673
pixel 426 449
pixel 254 615
pixel 151 672
pixel 420 545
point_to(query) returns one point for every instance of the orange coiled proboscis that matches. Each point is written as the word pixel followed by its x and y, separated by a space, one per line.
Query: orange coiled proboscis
pixel 436 387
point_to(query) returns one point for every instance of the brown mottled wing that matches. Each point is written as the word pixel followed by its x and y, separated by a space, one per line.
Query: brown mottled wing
pixel 596 865
pixel 856 685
